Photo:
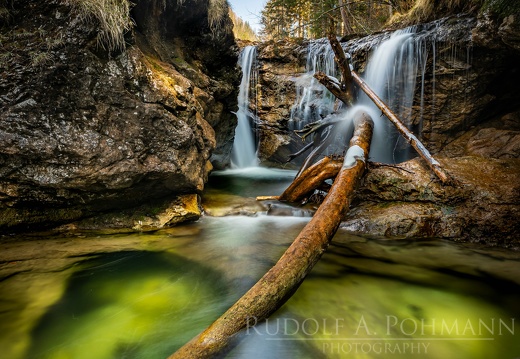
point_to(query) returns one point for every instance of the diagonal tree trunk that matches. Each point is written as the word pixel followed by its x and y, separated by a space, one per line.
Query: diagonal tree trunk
pixel 343 62
pixel 332 85
pixel 408 136
pixel 282 280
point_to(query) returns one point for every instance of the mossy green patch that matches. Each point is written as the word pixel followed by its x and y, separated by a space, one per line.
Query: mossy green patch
pixel 378 313
pixel 129 303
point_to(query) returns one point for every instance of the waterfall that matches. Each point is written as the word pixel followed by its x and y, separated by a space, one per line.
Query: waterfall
pixel 312 100
pixel 244 149
pixel 391 72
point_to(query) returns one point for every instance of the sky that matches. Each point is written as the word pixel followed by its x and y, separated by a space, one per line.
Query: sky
pixel 249 10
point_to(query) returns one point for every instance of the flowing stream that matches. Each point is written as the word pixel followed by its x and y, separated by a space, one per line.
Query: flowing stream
pixel 142 295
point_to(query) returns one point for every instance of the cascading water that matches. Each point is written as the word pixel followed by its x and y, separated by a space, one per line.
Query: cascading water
pixel 391 72
pixel 244 149
pixel 312 101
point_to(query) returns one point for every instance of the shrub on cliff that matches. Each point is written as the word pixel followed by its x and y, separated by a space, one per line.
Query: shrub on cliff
pixel 428 10
pixel 114 17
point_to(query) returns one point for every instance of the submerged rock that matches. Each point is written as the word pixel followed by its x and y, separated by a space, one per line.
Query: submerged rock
pixel 218 204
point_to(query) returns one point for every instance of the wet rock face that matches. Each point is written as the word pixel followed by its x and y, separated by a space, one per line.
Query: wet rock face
pixel 206 55
pixel 407 202
pixel 84 130
pixel 470 81
pixel 474 83
pixel 499 138
pixel 281 63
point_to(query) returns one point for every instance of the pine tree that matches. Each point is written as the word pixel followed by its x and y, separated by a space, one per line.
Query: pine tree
pixel 241 29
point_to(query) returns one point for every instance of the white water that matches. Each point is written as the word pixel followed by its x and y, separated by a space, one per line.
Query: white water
pixel 260 173
pixel 244 149
pixel 312 100
pixel 391 72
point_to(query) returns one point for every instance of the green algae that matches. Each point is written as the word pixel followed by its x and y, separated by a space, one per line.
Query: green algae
pixel 130 305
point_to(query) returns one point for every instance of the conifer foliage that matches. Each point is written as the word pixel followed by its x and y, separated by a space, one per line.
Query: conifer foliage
pixel 314 19
pixel 317 18
pixel 241 29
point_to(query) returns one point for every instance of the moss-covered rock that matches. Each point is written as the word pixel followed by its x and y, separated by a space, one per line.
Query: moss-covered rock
pixel 407 201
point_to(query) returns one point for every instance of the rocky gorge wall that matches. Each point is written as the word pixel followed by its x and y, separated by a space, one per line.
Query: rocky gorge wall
pixel 470 122
pixel 128 136
pixel 84 130
pixel 470 82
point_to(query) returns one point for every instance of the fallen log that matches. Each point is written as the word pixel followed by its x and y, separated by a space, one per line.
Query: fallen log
pixel 311 179
pixel 408 136
pixel 344 65
pixel 282 280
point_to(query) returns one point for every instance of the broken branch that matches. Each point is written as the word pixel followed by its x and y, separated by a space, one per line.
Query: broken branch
pixel 317 125
pixel 334 86
pixel 292 156
pixel 408 136
pixel 311 179
pixel 322 140
pixel 344 65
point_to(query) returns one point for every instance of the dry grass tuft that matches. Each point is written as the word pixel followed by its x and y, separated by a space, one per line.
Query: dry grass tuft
pixel 217 13
pixel 113 16
pixel 41 58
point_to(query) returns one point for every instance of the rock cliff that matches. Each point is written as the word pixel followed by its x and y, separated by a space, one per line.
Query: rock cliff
pixel 470 110
pixel 86 128
pixel 469 81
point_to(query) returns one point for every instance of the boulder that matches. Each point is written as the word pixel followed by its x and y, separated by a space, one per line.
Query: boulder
pixel 406 201
pixel 86 129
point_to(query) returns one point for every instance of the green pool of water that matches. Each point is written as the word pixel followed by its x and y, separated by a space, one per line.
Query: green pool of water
pixel 143 295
